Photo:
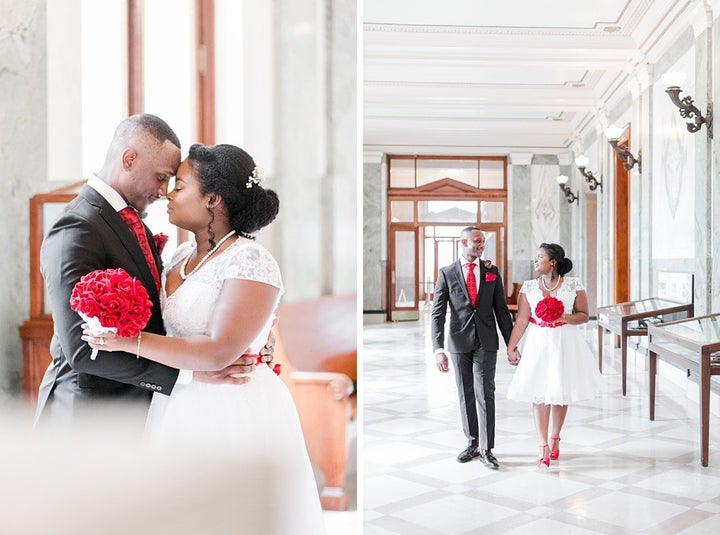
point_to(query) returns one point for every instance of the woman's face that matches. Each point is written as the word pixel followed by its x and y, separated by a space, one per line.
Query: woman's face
pixel 187 208
pixel 543 264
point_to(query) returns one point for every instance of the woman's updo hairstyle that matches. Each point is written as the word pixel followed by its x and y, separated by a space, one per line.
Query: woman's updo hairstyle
pixel 557 253
pixel 230 172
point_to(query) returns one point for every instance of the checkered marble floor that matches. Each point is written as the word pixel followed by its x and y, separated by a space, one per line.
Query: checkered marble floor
pixel 618 472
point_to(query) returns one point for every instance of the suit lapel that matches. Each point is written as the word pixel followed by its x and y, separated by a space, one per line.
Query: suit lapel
pixel 125 238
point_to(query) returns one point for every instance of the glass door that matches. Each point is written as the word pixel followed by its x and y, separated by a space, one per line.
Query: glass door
pixel 441 247
pixel 403 274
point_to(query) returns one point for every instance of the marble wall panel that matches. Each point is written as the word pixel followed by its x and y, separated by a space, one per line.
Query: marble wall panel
pixel 544 204
pixel 374 229
pixel 23 164
pixel 521 248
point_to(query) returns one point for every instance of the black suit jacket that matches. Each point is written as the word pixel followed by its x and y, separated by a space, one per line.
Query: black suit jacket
pixel 90 235
pixel 467 323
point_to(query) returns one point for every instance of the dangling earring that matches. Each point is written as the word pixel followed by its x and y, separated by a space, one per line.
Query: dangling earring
pixel 211 232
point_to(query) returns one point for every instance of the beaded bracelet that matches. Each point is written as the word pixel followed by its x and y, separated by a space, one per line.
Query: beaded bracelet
pixel 137 353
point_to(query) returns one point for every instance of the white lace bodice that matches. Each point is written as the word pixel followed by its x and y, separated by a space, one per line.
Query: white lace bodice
pixel 565 293
pixel 187 310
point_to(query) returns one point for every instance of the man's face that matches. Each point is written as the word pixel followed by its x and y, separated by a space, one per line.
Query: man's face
pixel 151 169
pixel 473 244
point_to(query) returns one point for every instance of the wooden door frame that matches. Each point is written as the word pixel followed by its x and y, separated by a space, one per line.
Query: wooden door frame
pixel 203 12
pixel 203 65
pixel 621 240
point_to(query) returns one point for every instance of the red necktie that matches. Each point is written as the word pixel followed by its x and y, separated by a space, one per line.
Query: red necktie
pixel 132 220
pixel 471 283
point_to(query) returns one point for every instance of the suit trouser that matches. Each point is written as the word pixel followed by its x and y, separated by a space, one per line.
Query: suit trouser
pixel 475 378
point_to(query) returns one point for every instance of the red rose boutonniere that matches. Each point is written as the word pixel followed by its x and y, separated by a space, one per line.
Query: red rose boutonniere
pixel 110 300
pixel 489 277
pixel 161 240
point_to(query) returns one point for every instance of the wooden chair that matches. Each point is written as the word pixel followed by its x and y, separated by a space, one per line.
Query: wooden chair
pixel 317 347
pixel 512 299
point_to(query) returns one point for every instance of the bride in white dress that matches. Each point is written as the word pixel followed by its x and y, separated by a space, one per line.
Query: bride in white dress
pixel 219 298
pixel 555 366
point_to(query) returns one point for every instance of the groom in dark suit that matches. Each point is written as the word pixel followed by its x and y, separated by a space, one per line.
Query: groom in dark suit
pixel 474 290
pixel 95 232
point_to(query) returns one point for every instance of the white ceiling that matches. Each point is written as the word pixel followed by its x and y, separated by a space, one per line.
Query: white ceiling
pixel 497 77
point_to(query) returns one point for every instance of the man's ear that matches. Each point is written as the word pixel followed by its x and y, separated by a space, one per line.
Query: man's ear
pixel 128 158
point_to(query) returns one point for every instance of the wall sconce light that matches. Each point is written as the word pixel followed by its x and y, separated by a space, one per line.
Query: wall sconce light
pixel 581 162
pixel 672 82
pixel 571 197
pixel 613 134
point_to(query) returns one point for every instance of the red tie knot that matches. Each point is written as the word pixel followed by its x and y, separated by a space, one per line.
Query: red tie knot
pixel 129 216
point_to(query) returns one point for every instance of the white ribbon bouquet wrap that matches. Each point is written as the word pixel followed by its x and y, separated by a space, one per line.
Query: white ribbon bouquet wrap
pixel 96 329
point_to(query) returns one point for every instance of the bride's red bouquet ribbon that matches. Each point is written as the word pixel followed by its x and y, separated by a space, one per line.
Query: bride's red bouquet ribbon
pixel 549 310
pixel 277 368
pixel 110 300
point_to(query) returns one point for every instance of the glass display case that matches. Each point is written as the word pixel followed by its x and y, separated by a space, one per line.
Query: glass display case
pixel 36 331
pixel 694 345
pixel 632 319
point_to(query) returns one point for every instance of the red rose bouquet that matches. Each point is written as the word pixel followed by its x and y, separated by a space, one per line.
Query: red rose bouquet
pixel 110 300
pixel 549 309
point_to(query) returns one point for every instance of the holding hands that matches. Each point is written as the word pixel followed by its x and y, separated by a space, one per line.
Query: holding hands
pixel 513 356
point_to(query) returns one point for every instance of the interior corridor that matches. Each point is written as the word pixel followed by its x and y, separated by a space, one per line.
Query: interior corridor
pixel 618 472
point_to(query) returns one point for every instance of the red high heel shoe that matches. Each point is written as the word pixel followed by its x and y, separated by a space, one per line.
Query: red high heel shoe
pixel 544 460
pixel 555 450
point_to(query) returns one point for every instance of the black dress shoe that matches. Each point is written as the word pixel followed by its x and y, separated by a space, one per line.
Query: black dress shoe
pixel 468 454
pixel 489 460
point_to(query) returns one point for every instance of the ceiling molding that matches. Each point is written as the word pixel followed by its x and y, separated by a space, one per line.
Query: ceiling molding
pixel 509 87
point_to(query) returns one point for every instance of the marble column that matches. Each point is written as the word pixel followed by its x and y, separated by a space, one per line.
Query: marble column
pixel 715 166
pixel 521 248
pixel 374 234
pixel 704 228
pixel 546 199
pixel 23 167
pixel 315 70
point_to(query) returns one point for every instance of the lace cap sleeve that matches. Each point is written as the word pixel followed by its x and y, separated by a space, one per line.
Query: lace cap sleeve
pixel 253 262
pixel 525 288
pixel 576 285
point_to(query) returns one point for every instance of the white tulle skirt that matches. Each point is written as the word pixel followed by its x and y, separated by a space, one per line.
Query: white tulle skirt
pixel 556 367
pixel 256 424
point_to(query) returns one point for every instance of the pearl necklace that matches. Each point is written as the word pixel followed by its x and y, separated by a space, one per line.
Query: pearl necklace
pixel 204 259
pixel 545 284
